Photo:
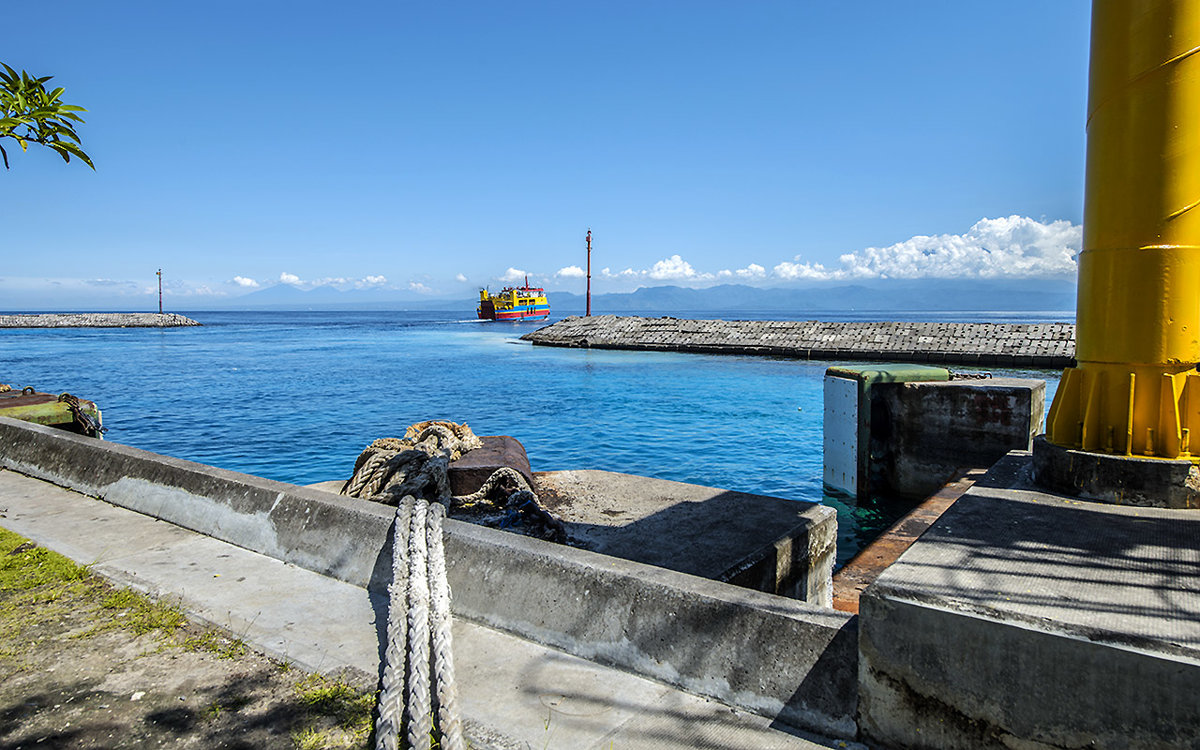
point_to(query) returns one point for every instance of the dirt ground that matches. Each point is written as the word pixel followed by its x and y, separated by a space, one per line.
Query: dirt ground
pixel 86 665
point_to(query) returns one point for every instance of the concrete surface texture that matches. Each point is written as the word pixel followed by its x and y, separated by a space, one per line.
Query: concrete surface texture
pixel 925 432
pixel 1122 480
pixel 787 660
pixel 1028 619
pixel 968 344
pixel 96 320
pixel 514 693
pixel 765 543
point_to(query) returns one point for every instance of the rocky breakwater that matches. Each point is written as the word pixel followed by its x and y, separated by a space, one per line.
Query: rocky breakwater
pixel 1047 345
pixel 97 320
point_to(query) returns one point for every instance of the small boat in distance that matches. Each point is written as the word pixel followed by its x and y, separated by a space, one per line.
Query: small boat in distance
pixel 514 303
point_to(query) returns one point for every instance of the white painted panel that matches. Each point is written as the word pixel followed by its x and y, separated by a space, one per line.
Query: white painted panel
pixel 841 434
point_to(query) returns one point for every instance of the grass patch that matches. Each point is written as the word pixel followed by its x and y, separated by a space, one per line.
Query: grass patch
pixel 26 567
pixel 142 615
pixel 331 700
pixel 216 643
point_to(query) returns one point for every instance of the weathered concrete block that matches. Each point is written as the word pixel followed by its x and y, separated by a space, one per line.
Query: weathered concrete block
pixel 926 431
pixel 766 543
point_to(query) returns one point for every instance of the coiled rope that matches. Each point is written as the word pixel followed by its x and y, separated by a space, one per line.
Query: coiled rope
pixel 418 670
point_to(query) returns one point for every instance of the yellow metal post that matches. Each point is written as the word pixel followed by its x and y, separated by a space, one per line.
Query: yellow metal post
pixel 1135 389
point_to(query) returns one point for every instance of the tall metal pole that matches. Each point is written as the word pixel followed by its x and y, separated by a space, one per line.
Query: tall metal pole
pixel 160 291
pixel 1135 390
pixel 589 272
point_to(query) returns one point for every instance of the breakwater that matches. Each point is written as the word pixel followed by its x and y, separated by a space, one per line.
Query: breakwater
pixel 1048 345
pixel 97 320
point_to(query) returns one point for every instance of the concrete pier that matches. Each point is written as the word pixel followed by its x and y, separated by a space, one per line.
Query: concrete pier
pixel 1025 619
pixel 97 320
pixel 1043 345
pixel 790 662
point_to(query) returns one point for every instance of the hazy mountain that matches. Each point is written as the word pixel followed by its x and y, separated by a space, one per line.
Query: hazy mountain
pixel 882 295
pixel 915 295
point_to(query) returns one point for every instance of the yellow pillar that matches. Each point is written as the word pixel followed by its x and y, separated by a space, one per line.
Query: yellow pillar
pixel 1135 389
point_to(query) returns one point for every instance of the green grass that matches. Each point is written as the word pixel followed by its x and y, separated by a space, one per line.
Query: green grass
pixel 216 643
pixel 141 615
pixel 350 709
pixel 40 588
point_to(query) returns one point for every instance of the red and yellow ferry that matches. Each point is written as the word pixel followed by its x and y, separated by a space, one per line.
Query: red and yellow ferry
pixel 514 303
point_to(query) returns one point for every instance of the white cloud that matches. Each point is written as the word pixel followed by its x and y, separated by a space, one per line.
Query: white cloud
pixel 419 288
pixel 513 275
pixel 1008 247
pixel 289 278
pixel 752 271
pixel 794 271
pixel 242 281
pixel 460 278
pixel 369 281
pixel 676 268
pixel 570 272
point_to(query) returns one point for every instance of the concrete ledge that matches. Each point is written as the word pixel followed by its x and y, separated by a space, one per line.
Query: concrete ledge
pixel 1009 685
pixel 788 660
pixel 1023 619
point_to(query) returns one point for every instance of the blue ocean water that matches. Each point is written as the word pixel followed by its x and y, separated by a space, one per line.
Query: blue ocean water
pixel 296 396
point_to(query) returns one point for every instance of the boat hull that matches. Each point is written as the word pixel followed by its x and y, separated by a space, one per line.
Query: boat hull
pixel 532 312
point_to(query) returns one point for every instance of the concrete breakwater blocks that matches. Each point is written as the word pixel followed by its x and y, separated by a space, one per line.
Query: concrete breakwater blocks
pixel 789 660
pixel 1026 619
pixel 1049 345
pixel 97 320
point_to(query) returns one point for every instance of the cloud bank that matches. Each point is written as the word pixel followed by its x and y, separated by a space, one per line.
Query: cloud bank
pixel 1011 247
pixel 1008 247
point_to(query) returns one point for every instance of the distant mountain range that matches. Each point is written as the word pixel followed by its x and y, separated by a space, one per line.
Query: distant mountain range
pixel 889 295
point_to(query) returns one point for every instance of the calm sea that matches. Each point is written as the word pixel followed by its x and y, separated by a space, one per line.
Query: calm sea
pixel 295 396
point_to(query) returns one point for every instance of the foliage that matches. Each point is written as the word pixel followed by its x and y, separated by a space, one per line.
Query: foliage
pixel 29 113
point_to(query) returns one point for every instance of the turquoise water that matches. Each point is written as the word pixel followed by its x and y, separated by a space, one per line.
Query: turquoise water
pixel 297 396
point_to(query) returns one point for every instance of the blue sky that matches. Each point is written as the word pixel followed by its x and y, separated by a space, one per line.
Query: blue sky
pixel 432 148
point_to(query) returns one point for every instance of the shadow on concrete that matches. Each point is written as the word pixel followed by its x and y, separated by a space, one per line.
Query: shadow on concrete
pixel 1112 573
pixel 674 720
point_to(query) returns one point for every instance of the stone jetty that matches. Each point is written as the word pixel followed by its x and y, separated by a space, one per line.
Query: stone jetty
pixel 1042 345
pixel 97 320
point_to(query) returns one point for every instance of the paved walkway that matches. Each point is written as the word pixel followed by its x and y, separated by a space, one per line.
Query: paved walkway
pixel 515 694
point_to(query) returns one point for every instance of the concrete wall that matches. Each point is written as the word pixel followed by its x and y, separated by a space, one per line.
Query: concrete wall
pixel 781 658
pixel 923 432
pixel 936 678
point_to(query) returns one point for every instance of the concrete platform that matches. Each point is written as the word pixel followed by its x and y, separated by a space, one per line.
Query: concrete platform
pixel 515 694
pixel 764 543
pixel 1023 619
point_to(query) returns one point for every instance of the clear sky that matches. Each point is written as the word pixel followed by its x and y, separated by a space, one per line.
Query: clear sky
pixel 435 147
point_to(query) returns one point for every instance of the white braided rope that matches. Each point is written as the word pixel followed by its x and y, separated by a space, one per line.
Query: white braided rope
pixel 390 720
pixel 443 648
pixel 420 700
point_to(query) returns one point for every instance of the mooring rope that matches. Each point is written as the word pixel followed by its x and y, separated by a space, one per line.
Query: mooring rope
pixel 418 671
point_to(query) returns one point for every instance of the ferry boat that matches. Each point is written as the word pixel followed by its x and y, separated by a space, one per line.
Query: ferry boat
pixel 514 303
